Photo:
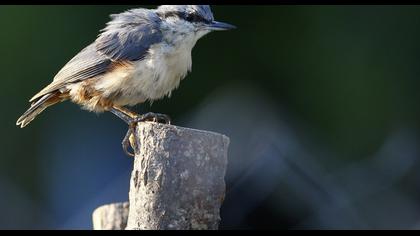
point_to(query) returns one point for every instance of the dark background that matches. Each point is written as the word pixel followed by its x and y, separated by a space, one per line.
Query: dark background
pixel 320 103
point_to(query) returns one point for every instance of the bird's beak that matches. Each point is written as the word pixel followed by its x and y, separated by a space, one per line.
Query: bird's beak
pixel 216 25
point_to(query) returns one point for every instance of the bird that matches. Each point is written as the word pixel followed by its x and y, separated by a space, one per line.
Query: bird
pixel 141 55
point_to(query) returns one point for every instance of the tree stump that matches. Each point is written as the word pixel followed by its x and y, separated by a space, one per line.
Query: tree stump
pixel 111 217
pixel 178 178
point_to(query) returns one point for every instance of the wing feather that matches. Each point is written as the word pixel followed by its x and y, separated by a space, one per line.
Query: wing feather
pixel 126 38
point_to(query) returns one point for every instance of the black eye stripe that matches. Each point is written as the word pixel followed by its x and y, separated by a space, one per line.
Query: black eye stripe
pixel 192 17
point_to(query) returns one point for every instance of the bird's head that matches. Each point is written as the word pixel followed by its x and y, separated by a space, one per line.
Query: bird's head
pixel 190 21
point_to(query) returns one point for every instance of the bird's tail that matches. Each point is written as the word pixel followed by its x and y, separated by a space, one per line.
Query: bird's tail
pixel 38 106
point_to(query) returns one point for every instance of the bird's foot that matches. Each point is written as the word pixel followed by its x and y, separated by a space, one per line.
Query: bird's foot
pixel 155 117
pixel 129 139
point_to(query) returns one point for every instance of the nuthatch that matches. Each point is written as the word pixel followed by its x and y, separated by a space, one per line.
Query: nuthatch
pixel 141 55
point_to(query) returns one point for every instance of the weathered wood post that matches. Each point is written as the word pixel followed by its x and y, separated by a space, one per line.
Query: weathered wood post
pixel 178 178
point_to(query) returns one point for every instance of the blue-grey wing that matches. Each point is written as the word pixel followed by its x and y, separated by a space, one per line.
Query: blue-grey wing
pixel 129 35
pixel 88 63
pixel 127 38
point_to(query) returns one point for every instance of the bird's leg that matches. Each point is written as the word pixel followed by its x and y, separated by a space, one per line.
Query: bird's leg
pixel 132 119
pixel 127 116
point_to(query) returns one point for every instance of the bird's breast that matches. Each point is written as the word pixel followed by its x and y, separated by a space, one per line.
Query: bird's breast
pixel 161 72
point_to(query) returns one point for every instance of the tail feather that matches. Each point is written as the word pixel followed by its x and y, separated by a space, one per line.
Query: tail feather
pixel 37 107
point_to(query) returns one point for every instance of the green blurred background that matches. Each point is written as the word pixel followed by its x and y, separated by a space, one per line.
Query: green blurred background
pixel 342 79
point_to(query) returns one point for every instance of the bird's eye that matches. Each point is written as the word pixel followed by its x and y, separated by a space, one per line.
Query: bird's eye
pixel 194 18
pixel 190 17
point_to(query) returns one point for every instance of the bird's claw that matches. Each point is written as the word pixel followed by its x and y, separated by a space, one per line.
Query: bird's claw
pixel 126 141
pixel 155 117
